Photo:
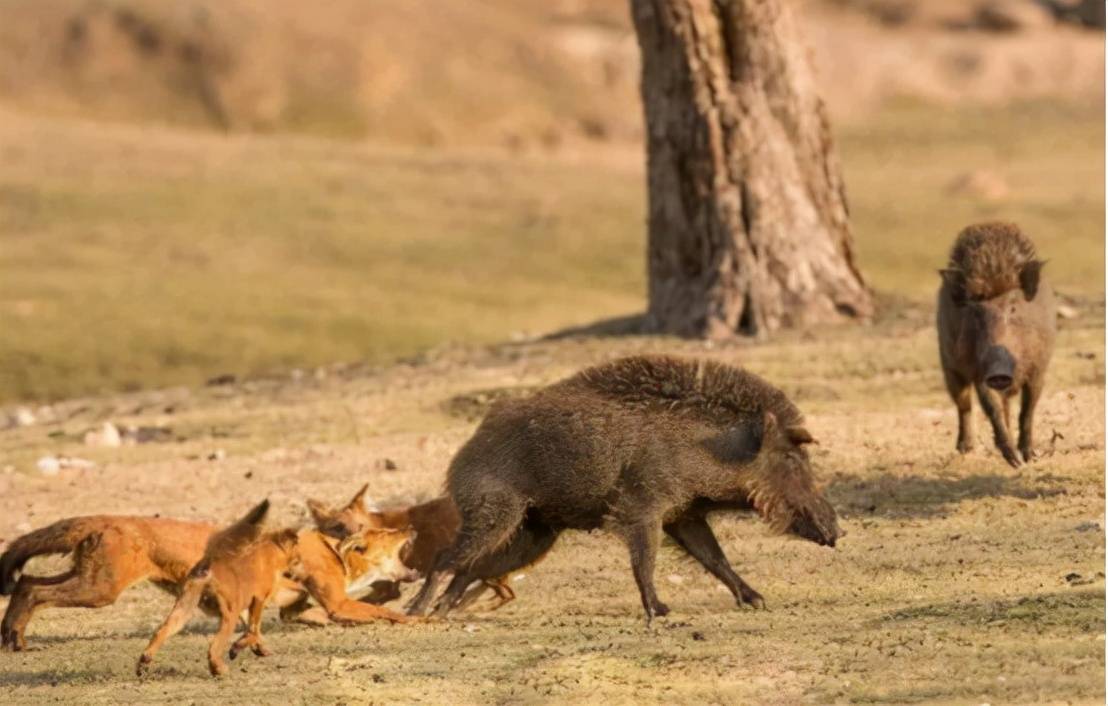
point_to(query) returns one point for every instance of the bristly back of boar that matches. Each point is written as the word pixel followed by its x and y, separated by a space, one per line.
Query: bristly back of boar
pixel 707 390
pixel 990 257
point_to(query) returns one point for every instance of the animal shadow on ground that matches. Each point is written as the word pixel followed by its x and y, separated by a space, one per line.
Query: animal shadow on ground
pixel 1080 609
pixel 915 496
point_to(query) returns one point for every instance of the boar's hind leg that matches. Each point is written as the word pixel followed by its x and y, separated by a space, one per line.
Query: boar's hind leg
pixel 993 406
pixel 1029 397
pixel 642 541
pixel 487 523
pixel 696 537
pixel 962 394
pixel 530 542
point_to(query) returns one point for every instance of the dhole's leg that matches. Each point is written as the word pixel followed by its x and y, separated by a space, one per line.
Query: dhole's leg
pixel 475 591
pixel 330 592
pixel 179 615
pixel 21 608
pixel 382 592
pixel 502 590
pixel 642 541
pixel 301 611
pixel 961 392
pixel 218 646
pixel 1029 398
pixel 253 636
pixel 992 405
pixel 695 536
pixel 487 524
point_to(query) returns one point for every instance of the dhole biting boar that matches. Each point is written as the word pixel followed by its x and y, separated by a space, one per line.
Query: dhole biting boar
pixel 639 446
pixel 996 332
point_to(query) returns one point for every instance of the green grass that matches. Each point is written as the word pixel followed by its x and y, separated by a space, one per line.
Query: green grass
pixel 137 257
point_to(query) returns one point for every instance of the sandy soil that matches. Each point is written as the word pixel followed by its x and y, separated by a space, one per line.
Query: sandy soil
pixel 961 580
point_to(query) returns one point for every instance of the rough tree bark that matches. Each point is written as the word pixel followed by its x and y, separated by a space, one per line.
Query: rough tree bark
pixel 748 228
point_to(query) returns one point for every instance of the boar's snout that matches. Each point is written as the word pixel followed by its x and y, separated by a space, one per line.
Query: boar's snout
pixel 818 525
pixel 999 368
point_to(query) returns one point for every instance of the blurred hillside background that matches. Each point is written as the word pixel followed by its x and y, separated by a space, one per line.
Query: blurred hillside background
pixel 202 187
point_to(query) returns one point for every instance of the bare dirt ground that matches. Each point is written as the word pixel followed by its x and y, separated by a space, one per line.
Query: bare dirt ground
pixel 961 580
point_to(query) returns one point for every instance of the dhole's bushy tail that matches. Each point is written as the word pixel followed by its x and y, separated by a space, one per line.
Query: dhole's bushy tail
pixel 238 536
pixel 61 537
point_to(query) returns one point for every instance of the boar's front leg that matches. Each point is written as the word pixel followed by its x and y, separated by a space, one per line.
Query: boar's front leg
pixel 695 536
pixel 1029 397
pixel 962 394
pixel 642 540
pixel 993 406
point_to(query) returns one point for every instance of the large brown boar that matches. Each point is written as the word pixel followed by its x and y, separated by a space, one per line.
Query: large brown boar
pixel 996 331
pixel 639 446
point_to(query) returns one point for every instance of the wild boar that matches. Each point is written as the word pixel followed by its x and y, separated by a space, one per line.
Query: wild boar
pixel 638 446
pixel 996 321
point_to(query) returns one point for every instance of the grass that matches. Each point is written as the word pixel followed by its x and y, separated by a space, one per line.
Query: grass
pixel 143 257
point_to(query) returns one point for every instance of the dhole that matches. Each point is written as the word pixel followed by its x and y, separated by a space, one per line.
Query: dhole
pixel 243 568
pixel 435 523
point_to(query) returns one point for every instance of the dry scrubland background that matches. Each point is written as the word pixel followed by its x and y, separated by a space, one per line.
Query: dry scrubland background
pixel 302 196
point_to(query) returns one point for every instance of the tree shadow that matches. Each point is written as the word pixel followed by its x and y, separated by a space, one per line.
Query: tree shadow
pixel 630 325
pixel 915 496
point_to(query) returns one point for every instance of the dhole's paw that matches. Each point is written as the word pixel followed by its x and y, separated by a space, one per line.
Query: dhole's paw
pixel 218 669
pixel 143 665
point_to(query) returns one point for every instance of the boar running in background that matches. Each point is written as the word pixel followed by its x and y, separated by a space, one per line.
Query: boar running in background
pixel 996 331
pixel 638 446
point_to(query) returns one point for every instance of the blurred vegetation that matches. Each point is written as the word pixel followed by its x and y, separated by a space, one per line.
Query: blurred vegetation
pixel 135 256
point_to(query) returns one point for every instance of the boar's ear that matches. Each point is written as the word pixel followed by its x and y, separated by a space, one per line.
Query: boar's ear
pixel 320 512
pixel 738 444
pixel 800 435
pixel 955 281
pixel 358 501
pixel 1029 278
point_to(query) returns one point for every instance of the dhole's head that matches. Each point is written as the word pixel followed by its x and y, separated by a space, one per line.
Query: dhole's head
pixel 376 555
pixel 347 520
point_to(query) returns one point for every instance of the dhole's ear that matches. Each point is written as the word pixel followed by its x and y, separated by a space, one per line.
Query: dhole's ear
pixel 1029 278
pixel 738 444
pixel 955 281
pixel 320 512
pixel 800 435
pixel 358 501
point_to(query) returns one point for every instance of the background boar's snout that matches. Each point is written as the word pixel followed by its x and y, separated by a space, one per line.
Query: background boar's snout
pixel 999 368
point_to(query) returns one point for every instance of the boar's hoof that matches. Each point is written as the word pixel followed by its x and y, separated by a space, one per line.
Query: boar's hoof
pixel 1027 453
pixel 752 598
pixel 964 445
pixel 660 609
pixel 1011 457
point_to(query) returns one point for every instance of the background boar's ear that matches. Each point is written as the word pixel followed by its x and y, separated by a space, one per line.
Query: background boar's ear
pixel 1029 278
pixel 955 281
pixel 739 444
pixel 800 435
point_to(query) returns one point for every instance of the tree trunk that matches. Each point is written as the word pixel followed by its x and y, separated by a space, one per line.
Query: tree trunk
pixel 748 229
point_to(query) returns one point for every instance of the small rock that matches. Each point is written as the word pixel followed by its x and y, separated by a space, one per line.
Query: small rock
pixel 48 465
pixel 387 464
pixel 698 636
pixel 1065 311
pixel 981 184
pixel 1012 16
pixel 107 436
pixel 23 527
pixel 217 455
pixel 518 577
pixel 1087 527
pixel 675 579
pixel 470 628
pixel 224 379
pixel 22 417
